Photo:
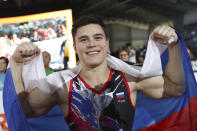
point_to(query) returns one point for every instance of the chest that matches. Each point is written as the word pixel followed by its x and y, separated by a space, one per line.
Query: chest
pixel 110 104
pixel 116 91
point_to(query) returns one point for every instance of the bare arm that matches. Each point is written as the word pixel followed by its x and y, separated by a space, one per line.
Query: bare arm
pixel 172 82
pixel 34 103
pixel 174 74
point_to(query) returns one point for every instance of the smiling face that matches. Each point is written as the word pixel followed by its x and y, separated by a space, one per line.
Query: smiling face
pixel 123 55
pixel 91 45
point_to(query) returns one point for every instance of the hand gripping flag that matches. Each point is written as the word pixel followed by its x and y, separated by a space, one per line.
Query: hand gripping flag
pixel 171 114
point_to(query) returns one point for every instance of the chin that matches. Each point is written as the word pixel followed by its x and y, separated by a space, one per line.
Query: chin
pixel 94 63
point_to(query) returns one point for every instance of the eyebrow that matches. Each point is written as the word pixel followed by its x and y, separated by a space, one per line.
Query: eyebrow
pixel 98 34
pixel 85 36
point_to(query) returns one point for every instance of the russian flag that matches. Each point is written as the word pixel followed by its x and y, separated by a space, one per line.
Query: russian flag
pixel 120 95
pixel 170 114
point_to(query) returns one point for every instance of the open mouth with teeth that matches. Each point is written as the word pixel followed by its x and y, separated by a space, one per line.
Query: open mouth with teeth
pixel 92 53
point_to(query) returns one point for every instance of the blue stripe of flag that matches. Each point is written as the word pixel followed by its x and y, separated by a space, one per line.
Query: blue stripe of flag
pixel 13 111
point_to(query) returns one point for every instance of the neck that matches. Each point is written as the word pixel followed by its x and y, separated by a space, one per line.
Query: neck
pixel 95 75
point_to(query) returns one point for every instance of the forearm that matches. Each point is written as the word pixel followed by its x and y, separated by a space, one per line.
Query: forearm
pixel 16 70
pixel 174 77
pixel 174 70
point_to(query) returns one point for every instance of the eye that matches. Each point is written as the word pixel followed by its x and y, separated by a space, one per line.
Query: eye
pixel 83 40
pixel 98 37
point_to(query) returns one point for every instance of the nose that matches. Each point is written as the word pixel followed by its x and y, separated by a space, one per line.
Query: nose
pixel 91 43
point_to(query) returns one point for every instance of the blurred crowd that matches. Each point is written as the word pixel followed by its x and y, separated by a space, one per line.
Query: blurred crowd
pixel 14 34
pixel 189 33
pixel 130 55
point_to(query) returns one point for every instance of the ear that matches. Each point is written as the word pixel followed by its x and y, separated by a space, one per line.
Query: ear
pixel 74 46
pixel 107 44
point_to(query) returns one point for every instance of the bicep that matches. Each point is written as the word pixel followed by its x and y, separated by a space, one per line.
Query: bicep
pixel 37 103
pixel 152 87
pixel 172 89
pixel 159 87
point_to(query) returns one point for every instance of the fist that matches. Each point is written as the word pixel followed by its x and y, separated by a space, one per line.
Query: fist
pixel 164 35
pixel 25 52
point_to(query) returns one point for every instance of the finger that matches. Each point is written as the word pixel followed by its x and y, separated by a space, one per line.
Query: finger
pixel 157 33
pixel 161 30
pixel 29 58
pixel 36 49
pixel 172 34
pixel 32 48
pixel 29 49
pixel 160 40
pixel 158 28
pixel 26 51
pixel 166 32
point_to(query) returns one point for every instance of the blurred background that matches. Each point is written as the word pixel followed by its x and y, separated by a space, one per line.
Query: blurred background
pixel 129 22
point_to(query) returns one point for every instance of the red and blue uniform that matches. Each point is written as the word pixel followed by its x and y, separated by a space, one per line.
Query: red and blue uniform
pixel 109 109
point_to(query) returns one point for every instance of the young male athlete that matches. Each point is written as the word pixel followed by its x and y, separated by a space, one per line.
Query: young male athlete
pixel 99 97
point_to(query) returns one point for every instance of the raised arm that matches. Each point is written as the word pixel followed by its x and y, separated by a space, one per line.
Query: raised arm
pixel 172 82
pixel 36 102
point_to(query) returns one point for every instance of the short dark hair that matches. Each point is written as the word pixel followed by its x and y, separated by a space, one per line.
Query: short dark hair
pixel 5 59
pixel 88 19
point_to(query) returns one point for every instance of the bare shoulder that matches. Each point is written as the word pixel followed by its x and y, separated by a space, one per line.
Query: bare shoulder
pixel 130 78
pixel 131 81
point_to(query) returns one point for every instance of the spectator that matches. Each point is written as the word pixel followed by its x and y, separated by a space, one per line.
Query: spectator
pixel 123 55
pixel 132 53
pixel 64 53
pixel 140 56
pixel 3 67
pixel 47 59
pixel 15 40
